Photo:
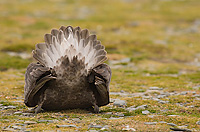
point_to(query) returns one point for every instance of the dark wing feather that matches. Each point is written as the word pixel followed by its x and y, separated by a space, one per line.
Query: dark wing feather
pixel 102 94
pixel 35 77
pixel 102 76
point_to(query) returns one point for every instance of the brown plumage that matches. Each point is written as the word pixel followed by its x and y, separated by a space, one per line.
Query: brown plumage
pixel 70 72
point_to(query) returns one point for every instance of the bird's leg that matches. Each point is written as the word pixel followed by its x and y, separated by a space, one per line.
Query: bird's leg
pixel 32 110
pixel 96 108
pixel 94 104
pixel 35 110
pixel 40 103
pixel 38 108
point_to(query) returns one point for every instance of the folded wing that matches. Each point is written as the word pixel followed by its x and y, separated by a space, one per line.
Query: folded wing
pixel 35 77
pixel 102 76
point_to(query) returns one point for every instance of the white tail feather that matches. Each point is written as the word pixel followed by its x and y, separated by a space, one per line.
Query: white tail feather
pixel 70 42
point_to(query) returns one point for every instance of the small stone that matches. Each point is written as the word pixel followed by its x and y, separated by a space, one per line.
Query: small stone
pixel 151 116
pixel 141 90
pixel 162 42
pixel 150 123
pixel 50 131
pixel 166 93
pixel 196 95
pixel 196 87
pixel 127 128
pixel 76 120
pixel 197 99
pixel 50 121
pixel 108 113
pixel 191 106
pixel 163 122
pixel 173 93
pixel 5 120
pixel 59 126
pixel 119 114
pixel 112 100
pixel 17 127
pixel 17 113
pixel 10 107
pixel 53 121
pixel 180 104
pixel 193 92
pixel 118 62
pixel 30 122
pixel 122 91
pixel 115 118
pixel 42 121
pixel 119 103
pixel 198 122
pixel 19 124
pixel 161 96
pixel 125 60
pixel 95 126
pixel 134 23
pixel 171 124
pixel 145 112
pixel 27 114
pixel 164 110
pixel 163 102
pixel 183 127
pixel 120 94
pixel 146 97
pixel 23 55
pixel 18 101
pixel 9 129
pixel 183 93
pixel 156 99
pixel 26 130
pixel 131 108
pixel 155 88
pixel 106 127
pixel 92 131
pixel 182 130
pixel 142 107
pixel 173 115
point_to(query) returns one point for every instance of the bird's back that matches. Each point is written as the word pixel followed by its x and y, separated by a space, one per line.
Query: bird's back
pixel 71 89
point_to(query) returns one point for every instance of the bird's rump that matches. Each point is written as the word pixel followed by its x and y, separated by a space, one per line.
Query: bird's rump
pixel 70 72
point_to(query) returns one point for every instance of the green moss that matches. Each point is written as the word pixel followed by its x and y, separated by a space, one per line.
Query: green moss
pixel 6 103
pixel 12 62
pixel 19 48
pixel 40 25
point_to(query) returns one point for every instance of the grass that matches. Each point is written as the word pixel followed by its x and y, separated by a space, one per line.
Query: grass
pixel 157 35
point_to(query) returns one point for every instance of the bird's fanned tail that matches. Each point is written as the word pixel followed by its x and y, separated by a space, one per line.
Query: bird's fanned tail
pixel 70 42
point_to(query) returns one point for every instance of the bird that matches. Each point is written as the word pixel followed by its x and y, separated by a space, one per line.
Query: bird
pixel 70 72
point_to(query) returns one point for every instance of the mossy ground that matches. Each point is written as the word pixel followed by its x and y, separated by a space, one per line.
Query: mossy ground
pixel 161 38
